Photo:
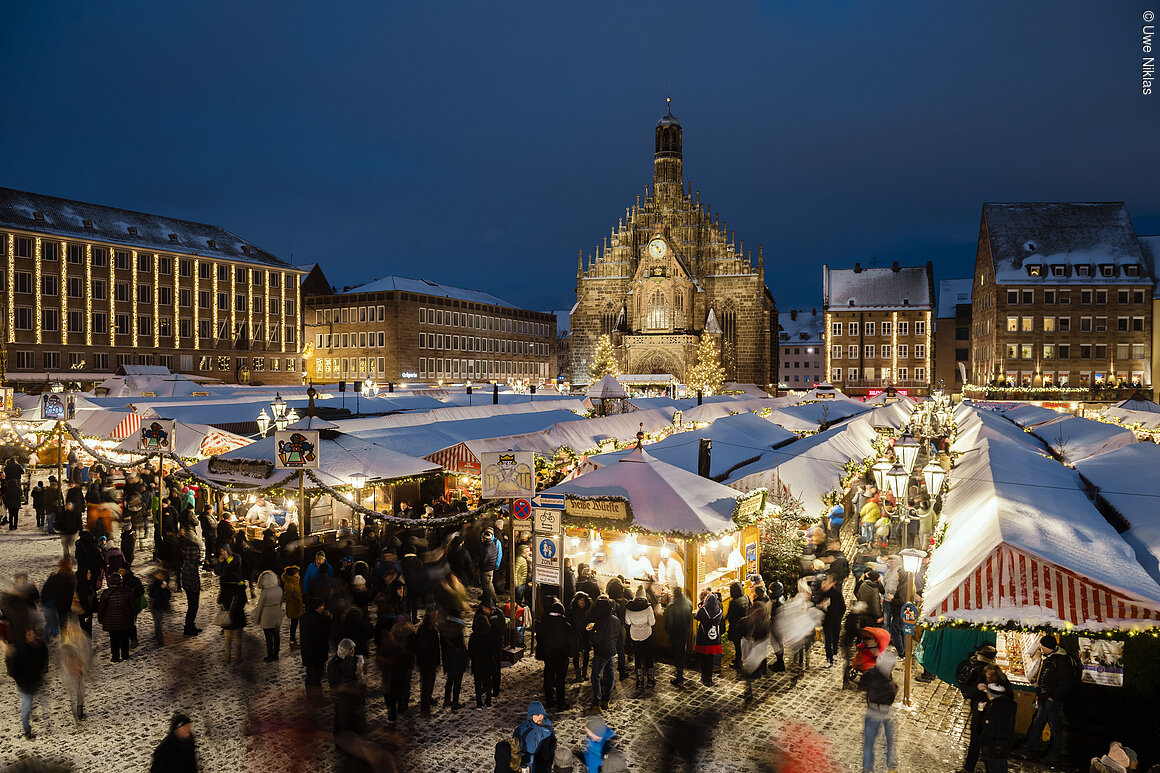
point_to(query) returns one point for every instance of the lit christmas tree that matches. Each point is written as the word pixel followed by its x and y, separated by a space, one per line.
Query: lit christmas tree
pixel 604 361
pixel 707 375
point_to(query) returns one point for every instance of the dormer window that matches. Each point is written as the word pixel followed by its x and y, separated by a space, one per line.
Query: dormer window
pixel 212 244
pixel 38 215
pixel 1035 269
pixel 87 223
pixel 1132 269
pixel 1083 270
pixel 1058 269
pixel 784 336
pixel 246 249
pixel 1107 269
pixel 173 238
pixel 132 230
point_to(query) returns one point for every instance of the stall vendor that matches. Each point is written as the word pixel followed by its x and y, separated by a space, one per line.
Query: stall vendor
pixel 639 567
pixel 670 570
pixel 262 512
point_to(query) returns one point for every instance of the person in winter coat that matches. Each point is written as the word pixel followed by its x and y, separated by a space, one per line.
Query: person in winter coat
pixel 427 658
pixel 874 640
pixel 579 615
pixel 68 521
pixel 115 614
pixel 869 592
pixel 177 752
pixel 870 513
pixel 616 592
pixel 523 568
pixel 998 721
pixel 878 682
pixel 483 648
pixel 347 691
pixel 27 661
pixel 586 583
pixel 833 603
pixel 159 603
pixel 76 657
pixel 735 620
pixel 974 690
pixel 606 632
pixel 491 559
pixel 758 624
pixel 315 641
pixel 639 618
pixel 708 644
pixel 556 642
pixel 268 613
pixel 13 491
pixel 292 595
pixel 191 579
pixel 678 623
pixel 397 660
pixel 1051 689
pixel 57 596
pixel 38 503
pixel 537 740
pixel 597 737
pixel 453 652
pixel 851 635
pixel 231 597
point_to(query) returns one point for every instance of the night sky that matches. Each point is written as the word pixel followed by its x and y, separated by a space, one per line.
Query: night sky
pixel 484 144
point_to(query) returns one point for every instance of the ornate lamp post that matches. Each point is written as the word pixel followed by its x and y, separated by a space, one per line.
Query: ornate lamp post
pixel 911 563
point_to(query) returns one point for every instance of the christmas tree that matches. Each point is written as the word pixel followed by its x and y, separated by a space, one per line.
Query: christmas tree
pixel 604 361
pixel 707 375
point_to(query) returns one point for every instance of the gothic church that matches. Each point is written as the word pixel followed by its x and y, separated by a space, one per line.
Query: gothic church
pixel 669 274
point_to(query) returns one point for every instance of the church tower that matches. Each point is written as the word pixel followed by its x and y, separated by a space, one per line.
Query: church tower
pixel 668 274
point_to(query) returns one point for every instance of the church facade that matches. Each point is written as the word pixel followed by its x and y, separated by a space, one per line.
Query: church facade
pixel 668 275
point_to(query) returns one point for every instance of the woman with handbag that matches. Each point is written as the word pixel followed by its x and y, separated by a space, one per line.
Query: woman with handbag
pixel 231 599
pixel 708 643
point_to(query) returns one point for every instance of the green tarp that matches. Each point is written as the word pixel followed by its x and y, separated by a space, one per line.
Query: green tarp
pixel 942 649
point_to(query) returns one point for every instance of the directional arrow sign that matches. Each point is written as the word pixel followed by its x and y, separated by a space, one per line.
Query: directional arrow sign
pixel 548 501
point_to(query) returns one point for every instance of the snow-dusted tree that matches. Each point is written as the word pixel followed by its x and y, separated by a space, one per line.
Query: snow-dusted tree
pixel 707 375
pixel 604 361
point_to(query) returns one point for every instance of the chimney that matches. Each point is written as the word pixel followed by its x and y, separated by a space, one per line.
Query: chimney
pixel 814 312
pixel 894 267
pixel 704 456
pixel 793 314
pixel 857 268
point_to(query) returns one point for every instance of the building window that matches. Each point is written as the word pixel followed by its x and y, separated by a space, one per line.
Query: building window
pixel 1049 351
pixel 868 328
pixel 885 350
pixel 122 324
pixel 920 327
pixel 1025 351
pixel 100 322
pixel 121 260
pixel 240 302
pixel 1101 351
pixel 204 329
pixel 1028 324
pixel 51 360
pixel 1012 324
pixel 25 361
pixel 1101 297
pixel 145 263
pixel 852 352
pixel 1137 324
pixel 223 302
pixel 1064 324
pixel 164 326
pixel 165 295
pixel 1049 297
pixel 22 282
pixel 48 284
pixel 76 321
pixel 1122 351
pixel 1064 351
pixel 869 350
pixel 145 294
pixel 1028 297
pixel 886 328
pixel 1137 351
pixel 1049 324
pixel 903 351
pixel 101 361
pixel 1012 351
pixel 50 320
pixel 76 254
pixel 920 351
pixel 22 318
pixel 1012 297
pixel 836 352
pixel 1101 324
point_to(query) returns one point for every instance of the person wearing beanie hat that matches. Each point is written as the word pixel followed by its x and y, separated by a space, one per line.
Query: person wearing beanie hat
pixel 347 691
pixel 1117 760
pixel 972 682
pixel 997 732
pixel 598 735
pixel 176 753
pixel 869 592
pixel 556 642
pixel 1052 686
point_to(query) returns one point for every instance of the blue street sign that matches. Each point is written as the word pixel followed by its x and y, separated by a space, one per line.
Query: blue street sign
pixel 909 618
pixel 548 548
pixel 521 509
pixel 548 501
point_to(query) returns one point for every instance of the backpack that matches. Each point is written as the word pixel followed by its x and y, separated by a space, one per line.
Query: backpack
pixel 1071 672
pixel 963 674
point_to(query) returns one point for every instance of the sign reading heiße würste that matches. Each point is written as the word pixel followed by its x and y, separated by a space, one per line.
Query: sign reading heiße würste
pixel 609 509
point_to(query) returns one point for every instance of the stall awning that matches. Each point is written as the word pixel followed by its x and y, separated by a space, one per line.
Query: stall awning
pixel 458 459
pixel 130 425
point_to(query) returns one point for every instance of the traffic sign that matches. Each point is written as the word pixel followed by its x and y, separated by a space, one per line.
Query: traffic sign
pixel 522 509
pixel 551 501
pixel 547 561
pixel 548 521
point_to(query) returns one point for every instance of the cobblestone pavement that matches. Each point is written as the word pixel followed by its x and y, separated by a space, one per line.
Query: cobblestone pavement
pixel 254 716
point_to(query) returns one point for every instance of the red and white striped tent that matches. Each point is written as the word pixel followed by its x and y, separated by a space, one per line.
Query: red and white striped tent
pixel 1024 544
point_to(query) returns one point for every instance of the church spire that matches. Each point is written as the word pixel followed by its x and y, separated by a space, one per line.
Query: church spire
pixel 667 158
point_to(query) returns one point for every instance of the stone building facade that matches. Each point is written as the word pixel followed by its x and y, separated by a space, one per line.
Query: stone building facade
pixel 879 330
pixel 670 273
pixel 86 289
pixel 1062 296
pixel 411 330
pixel 952 334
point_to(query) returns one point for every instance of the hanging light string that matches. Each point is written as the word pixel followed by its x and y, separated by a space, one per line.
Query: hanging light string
pixel 449 520
pixel 22 442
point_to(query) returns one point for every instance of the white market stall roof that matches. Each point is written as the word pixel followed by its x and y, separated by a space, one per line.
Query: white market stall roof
pixel 809 468
pixel 974 425
pixel 1127 480
pixel 737 440
pixel 580 436
pixel 884 399
pixel 31 406
pixel 340 457
pixel 195 441
pixel 1129 417
pixel 426 438
pixel 662 498
pixel 161 384
pixel 1138 403
pixel 894 416
pixel 1030 415
pixel 1023 543
pixel 607 388
pixel 482 409
pixel 806 417
pixel 1074 438
pixel 716 407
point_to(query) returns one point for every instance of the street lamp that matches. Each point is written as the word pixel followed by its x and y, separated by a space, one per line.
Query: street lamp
pixel 358 480
pixel 879 470
pixel 277 406
pixel 934 475
pixel 907 449
pixel 898 479
pixel 263 422
pixel 468 394
pixel 291 417
pixel 911 563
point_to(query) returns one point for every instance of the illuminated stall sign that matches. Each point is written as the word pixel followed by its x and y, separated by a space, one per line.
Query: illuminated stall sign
pixel 603 509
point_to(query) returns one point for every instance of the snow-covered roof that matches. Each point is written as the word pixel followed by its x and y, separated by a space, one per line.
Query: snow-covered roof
pixel 805 329
pixel 1031 415
pixel 737 440
pixel 663 498
pixel 425 287
pixel 1127 480
pixel 607 388
pixel 951 293
pixel 1075 438
pixel 67 218
pixel 190 440
pixel 714 408
pixel 877 288
pixel 1150 251
pixel 1062 233
pixel 1009 506
pixel 806 417
pixel 422 439
pixel 1128 417
pixel 1138 402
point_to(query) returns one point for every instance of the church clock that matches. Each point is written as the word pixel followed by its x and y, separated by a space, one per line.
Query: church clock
pixel 657 248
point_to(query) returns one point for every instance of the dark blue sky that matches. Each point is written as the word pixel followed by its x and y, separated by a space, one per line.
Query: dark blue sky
pixel 484 144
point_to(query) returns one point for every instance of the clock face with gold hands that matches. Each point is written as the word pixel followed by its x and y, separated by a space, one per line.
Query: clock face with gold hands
pixel 657 248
